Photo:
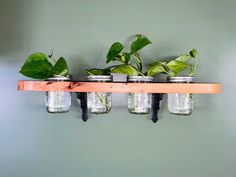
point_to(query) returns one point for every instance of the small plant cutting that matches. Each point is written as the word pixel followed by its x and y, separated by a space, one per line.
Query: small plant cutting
pixel 38 66
pixel 131 65
pixel 99 102
pixel 176 66
pixel 125 56
pixel 118 52
pixel 178 103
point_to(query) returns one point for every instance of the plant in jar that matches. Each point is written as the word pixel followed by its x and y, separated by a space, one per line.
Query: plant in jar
pixel 176 66
pixel 130 63
pixel 99 102
pixel 39 66
pixel 178 103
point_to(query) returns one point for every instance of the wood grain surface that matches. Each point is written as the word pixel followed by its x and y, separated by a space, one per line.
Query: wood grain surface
pixel 204 88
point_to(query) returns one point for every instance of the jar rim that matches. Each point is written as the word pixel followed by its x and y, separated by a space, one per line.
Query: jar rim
pixel 140 78
pixel 99 77
pixel 59 77
pixel 181 78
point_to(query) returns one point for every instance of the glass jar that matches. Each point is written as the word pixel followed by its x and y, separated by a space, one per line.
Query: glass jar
pixel 99 102
pixel 180 103
pixel 140 103
pixel 58 101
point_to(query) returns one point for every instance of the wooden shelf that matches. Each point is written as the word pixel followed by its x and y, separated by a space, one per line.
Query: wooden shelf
pixel 200 88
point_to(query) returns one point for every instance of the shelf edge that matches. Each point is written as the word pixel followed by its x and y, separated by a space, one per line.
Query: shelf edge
pixel 198 88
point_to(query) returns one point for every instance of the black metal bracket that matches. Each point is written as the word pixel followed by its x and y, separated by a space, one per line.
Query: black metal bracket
pixel 156 98
pixel 82 96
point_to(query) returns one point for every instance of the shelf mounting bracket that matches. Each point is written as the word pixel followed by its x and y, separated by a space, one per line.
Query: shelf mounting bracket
pixel 82 96
pixel 156 98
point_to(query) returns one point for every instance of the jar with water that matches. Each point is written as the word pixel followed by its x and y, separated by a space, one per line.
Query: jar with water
pixel 58 101
pixel 99 102
pixel 140 103
pixel 180 103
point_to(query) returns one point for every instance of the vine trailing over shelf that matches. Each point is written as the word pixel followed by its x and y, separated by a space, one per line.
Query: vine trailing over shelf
pixel 38 66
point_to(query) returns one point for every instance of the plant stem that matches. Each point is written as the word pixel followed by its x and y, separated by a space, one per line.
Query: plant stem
pixel 195 67
pixel 102 101
pixel 141 73
pixel 138 61
pixel 168 73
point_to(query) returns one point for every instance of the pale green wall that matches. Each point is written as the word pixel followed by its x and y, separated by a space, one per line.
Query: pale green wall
pixel 34 143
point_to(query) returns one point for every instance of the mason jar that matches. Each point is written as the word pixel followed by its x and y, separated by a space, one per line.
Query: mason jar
pixel 99 102
pixel 140 103
pixel 180 103
pixel 58 101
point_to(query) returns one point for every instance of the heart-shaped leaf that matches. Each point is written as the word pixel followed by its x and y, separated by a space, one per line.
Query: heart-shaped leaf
pixel 114 50
pixel 37 57
pixel 172 73
pixel 126 69
pixel 158 67
pixel 177 66
pixel 155 63
pixel 60 67
pixel 184 57
pixel 193 53
pixel 95 71
pixel 139 43
pixel 37 66
pixel 127 58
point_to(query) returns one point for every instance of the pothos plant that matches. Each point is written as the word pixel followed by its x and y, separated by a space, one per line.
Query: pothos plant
pixel 125 56
pixel 176 66
pixel 38 66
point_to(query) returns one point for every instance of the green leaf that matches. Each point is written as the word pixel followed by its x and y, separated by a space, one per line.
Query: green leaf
pixel 177 66
pixel 111 67
pixel 115 50
pixel 138 61
pixel 107 71
pixel 193 53
pixel 37 66
pixel 127 58
pixel 155 63
pixel 95 71
pixel 120 58
pixel 37 57
pixel 60 67
pixel 192 70
pixel 156 68
pixel 126 69
pixel 172 73
pixel 184 57
pixel 139 43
